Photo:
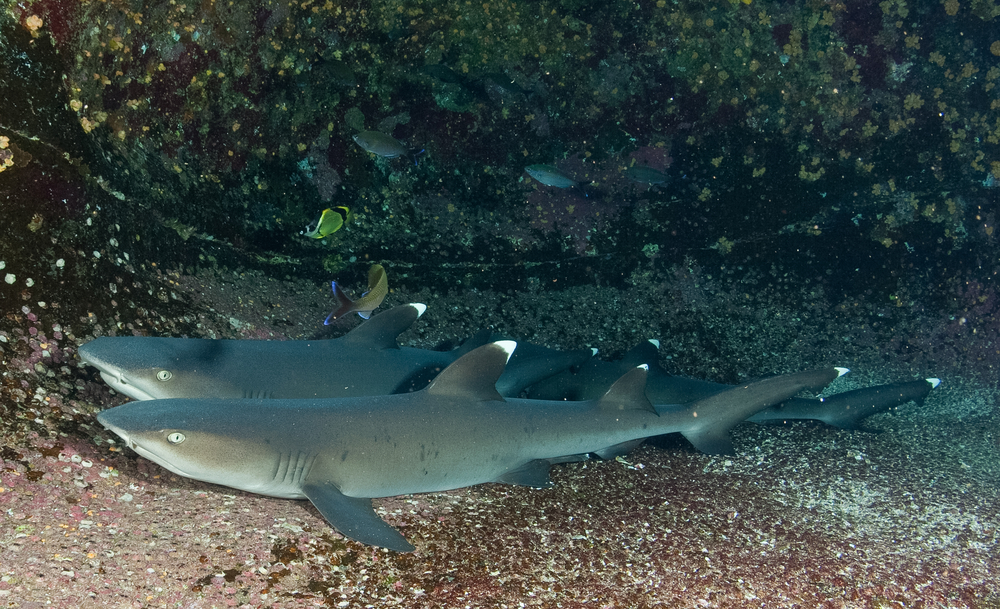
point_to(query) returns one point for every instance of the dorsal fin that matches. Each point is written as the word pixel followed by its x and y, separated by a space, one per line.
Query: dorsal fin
pixel 533 363
pixel 646 352
pixel 381 330
pixel 478 339
pixel 474 375
pixel 628 392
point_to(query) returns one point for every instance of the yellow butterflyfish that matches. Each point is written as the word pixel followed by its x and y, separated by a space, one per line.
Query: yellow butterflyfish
pixel 329 221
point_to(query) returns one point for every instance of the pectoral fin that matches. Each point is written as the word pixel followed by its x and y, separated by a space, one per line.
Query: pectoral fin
pixel 353 517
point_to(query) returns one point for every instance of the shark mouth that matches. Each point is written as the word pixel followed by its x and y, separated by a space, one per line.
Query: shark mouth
pixel 117 381
pixel 142 452
pixel 117 431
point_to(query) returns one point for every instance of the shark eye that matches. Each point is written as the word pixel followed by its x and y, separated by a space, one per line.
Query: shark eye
pixel 175 438
pixel 164 375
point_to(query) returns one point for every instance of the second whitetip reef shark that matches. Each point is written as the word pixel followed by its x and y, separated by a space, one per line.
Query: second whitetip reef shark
pixel 365 361
pixel 458 431
pixel 844 410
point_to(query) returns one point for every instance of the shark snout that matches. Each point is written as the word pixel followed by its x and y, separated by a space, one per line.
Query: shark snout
pixel 103 419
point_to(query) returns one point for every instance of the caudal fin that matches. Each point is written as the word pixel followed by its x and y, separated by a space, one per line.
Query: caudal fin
pixel 344 304
pixel 719 413
pixel 846 410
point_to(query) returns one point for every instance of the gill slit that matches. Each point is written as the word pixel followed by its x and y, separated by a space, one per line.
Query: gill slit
pixel 260 394
pixel 293 468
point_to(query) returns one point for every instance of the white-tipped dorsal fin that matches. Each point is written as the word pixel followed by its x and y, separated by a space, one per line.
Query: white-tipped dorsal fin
pixel 420 307
pixel 841 371
pixel 934 382
pixel 628 392
pixel 646 352
pixel 474 375
pixel 381 330
pixel 655 342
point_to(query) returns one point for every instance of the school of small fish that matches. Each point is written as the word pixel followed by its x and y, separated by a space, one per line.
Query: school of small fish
pixel 385 146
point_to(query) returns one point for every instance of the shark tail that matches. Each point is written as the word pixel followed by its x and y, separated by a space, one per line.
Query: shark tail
pixel 532 363
pixel 722 411
pixel 848 409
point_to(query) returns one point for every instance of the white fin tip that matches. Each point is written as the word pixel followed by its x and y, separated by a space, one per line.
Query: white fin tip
pixel 593 352
pixel 841 371
pixel 655 342
pixel 508 346
pixel 643 366
pixel 420 307
pixel 934 382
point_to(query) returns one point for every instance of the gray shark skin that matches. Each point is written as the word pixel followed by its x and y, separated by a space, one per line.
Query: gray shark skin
pixel 339 453
pixel 365 361
pixel 844 410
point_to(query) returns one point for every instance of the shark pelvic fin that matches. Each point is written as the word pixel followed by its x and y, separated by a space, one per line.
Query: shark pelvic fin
pixel 354 517
pixel 712 441
pixel 380 331
pixel 533 473
pixel 475 374
pixel 628 392
pixel 619 450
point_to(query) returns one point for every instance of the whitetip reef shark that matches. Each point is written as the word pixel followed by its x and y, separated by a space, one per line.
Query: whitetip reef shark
pixel 459 431
pixel 365 361
pixel 845 410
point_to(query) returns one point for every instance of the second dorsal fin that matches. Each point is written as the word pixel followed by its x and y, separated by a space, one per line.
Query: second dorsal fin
pixel 646 352
pixel 628 392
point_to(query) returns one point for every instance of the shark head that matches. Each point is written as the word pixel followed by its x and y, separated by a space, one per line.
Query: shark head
pixel 145 368
pixel 199 445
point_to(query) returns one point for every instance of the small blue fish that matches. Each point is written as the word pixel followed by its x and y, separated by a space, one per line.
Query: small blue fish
pixel 549 175
pixel 381 144
pixel 643 174
pixel 384 145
